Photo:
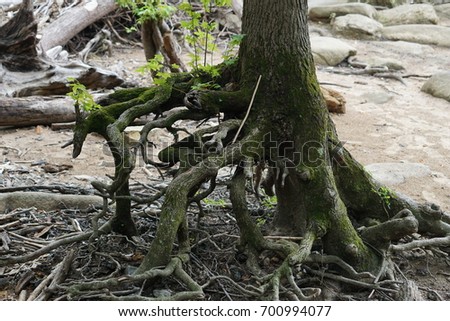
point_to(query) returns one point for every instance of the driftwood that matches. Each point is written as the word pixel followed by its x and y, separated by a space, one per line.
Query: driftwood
pixel 35 111
pixel 18 43
pixel 238 7
pixel 69 24
pixel 53 81
pixel 47 201
pixel 24 73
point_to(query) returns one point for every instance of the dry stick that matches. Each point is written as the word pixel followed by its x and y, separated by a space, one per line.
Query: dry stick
pixel 58 277
pixel 248 110
pixel 437 241
pixel 31 256
pixel 349 281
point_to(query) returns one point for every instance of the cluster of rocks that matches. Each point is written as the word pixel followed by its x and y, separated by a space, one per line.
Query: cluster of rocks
pixel 409 23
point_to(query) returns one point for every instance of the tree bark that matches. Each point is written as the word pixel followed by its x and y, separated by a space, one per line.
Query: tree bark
pixel 35 111
pixel 18 43
pixel 291 112
pixel 68 25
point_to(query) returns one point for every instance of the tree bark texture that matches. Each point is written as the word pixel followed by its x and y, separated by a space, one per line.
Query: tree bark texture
pixel 68 25
pixel 290 111
pixel 18 43
pixel 35 111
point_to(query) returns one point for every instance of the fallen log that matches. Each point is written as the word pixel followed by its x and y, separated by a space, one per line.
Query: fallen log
pixel 30 111
pixel 24 73
pixel 69 24
pixel 47 201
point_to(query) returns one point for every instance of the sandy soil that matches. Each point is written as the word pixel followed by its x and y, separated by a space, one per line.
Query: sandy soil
pixel 411 127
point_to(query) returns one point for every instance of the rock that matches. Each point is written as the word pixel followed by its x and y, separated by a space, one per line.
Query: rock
pixel 438 86
pixel 376 61
pixel 403 47
pixel 56 168
pixel 357 26
pixel 377 97
pixel 443 11
pixel 390 63
pixel 397 173
pixel 324 12
pixel 335 101
pixel 387 3
pixel 424 34
pixel 408 14
pixel 330 51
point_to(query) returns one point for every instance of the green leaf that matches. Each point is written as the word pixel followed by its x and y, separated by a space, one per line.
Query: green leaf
pixel 81 96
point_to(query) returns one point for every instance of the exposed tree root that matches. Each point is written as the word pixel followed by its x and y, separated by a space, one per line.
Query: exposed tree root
pixel 174 267
pixel 339 208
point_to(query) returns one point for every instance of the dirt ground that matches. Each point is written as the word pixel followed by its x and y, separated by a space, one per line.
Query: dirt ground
pixel 411 127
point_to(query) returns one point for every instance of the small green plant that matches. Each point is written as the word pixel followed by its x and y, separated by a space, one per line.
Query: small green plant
pixel 269 202
pixel 146 10
pixel 200 37
pixel 217 203
pixel 229 56
pixel 206 86
pixel 83 99
pixel 156 67
pixel 260 221
pixel 385 194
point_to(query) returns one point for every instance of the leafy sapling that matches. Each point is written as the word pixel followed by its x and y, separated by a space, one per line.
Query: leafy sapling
pixel 83 99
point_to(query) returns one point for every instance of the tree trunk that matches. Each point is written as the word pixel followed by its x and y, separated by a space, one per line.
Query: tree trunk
pixel 68 25
pixel 18 43
pixel 35 111
pixel 290 111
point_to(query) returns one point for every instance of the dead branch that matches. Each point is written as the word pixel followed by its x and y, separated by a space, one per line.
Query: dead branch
pixel 437 241
pixel 57 276
pixel 73 21
pixel 8 260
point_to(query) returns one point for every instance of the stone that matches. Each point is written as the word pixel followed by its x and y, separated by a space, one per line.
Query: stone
pixel 324 12
pixel 438 86
pixel 424 34
pixel 330 51
pixel 402 47
pixel 397 173
pixel 408 14
pixel 357 26
pixel 387 3
pixel 390 63
pixel 443 11
pixel 334 100
pixel 377 97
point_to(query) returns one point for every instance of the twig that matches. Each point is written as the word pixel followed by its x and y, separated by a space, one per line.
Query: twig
pixel 59 276
pixel 331 259
pixel 236 285
pixel 437 241
pixel 347 280
pixel 78 288
pixel 8 260
pixel 248 110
